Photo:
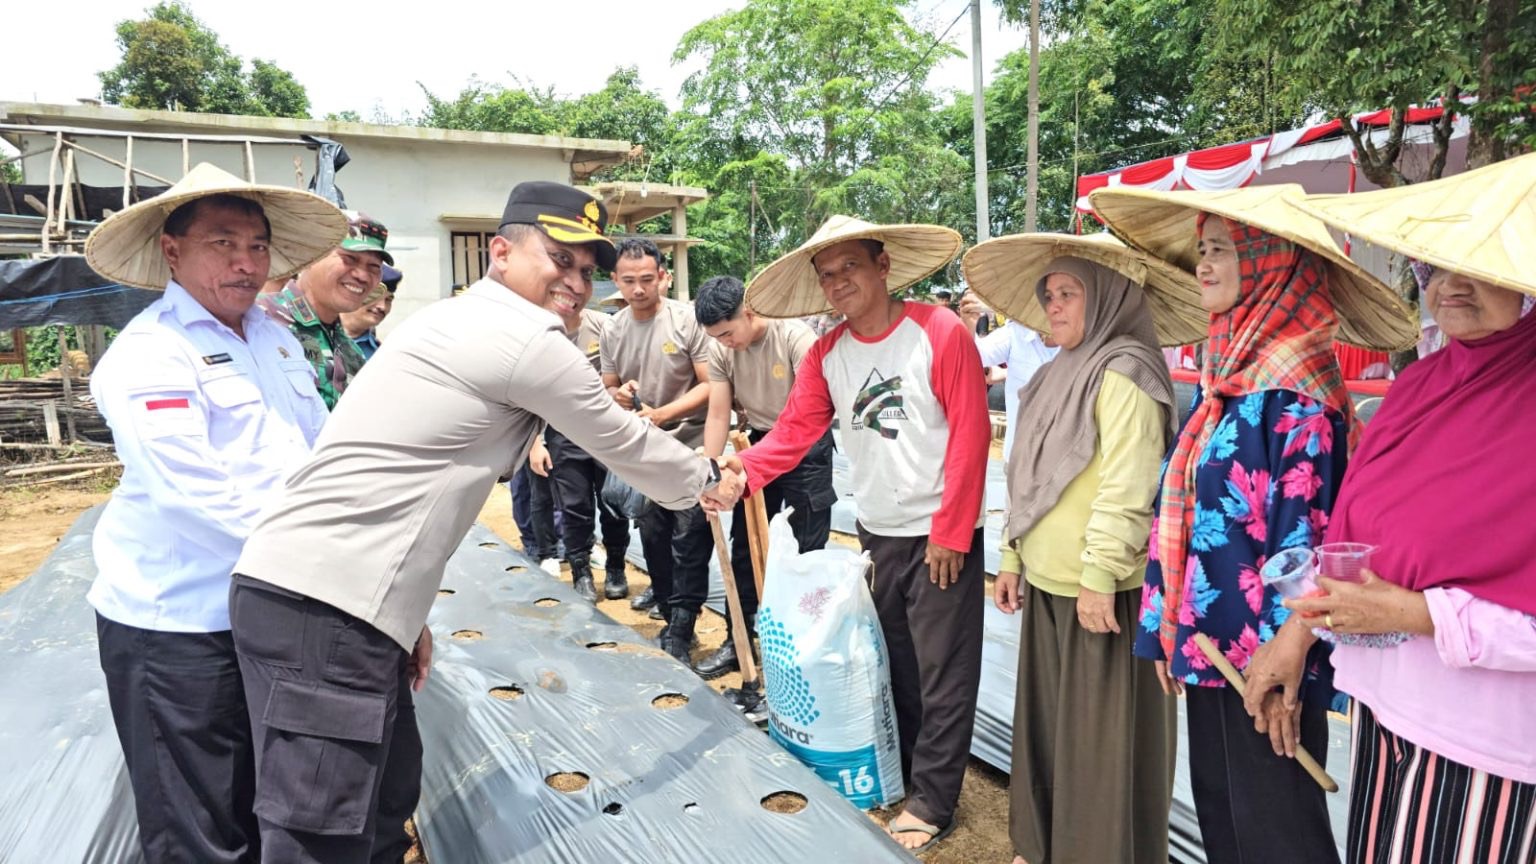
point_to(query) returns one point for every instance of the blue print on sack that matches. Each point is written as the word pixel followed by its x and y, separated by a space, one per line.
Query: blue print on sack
pixel 789 694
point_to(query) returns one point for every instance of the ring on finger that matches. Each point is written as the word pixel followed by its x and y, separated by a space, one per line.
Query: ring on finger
pixel 1328 620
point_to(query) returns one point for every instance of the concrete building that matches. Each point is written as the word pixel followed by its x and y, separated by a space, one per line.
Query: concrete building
pixel 440 192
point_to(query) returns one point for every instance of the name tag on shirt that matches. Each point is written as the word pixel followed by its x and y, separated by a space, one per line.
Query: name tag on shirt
pixel 216 359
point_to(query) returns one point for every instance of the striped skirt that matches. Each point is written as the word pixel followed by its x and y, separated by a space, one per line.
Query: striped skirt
pixel 1409 805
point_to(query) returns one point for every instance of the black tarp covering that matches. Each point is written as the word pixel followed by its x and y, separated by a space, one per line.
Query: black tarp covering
pixel 97 199
pixel 674 785
pixel 680 785
pixel 65 290
pixel 330 157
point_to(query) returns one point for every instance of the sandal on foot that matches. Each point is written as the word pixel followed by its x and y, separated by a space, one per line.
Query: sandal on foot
pixel 934 834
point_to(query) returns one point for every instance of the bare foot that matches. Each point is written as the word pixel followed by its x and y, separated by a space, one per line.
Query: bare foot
pixel 910 831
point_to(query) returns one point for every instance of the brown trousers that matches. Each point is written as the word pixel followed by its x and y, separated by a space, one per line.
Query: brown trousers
pixel 934 641
pixel 1093 740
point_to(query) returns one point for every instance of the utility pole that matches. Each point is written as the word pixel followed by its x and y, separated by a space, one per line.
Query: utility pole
pixel 1032 179
pixel 1032 159
pixel 979 127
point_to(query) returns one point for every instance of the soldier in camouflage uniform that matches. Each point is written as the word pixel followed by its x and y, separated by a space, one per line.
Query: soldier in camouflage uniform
pixel 312 302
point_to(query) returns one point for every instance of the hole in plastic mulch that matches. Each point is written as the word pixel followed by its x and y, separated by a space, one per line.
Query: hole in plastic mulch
pixel 784 802
pixel 516 568
pixel 669 701
pixel 467 635
pixel 691 808
pixel 446 592
pixel 603 646
pixel 614 809
pixel 546 602
pixel 567 781
pixel 507 692
pixel 490 545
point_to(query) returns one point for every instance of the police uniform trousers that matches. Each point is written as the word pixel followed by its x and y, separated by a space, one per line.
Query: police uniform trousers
pixel 338 754
pixel 808 489
pixel 934 641
pixel 179 708
pixel 577 479
pixel 533 510
pixel 677 546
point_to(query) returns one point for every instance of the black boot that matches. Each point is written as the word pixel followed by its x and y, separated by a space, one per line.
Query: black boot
pixel 645 600
pixel 581 579
pixel 678 637
pixel 719 663
pixel 616 585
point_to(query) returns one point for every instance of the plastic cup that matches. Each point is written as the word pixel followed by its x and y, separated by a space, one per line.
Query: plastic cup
pixel 1291 572
pixel 1344 561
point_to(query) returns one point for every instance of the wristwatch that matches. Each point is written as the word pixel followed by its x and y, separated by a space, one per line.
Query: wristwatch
pixel 714 472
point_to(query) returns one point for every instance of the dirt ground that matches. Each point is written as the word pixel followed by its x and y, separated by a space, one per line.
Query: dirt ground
pixel 33 520
pixel 982 833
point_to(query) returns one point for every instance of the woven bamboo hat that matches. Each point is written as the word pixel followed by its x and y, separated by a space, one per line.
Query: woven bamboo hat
pixel 788 288
pixel 1005 271
pixel 1163 224
pixel 126 247
pixel 1480 223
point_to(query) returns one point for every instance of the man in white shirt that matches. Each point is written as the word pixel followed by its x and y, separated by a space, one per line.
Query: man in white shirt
pixel 211 405
pixel 1012 345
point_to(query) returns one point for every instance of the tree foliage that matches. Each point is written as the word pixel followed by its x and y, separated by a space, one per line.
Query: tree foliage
pixel 1342 57
pixel 173 61
pixel 803 109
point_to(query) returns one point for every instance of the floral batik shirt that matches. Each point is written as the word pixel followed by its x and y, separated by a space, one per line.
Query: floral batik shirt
pixel 1265 482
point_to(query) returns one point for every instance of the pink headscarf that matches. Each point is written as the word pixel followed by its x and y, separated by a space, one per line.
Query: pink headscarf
pixel 1445 477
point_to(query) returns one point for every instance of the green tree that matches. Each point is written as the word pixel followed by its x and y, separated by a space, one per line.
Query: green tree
pixel 622 110
pixel 1346 56
pixel 803 109
pixel 171 60
pixel 1120 82
pixel 483 107
pixel 276 90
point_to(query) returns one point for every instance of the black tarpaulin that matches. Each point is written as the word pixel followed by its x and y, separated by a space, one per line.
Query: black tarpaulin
pixel 665 784
pixel 65 290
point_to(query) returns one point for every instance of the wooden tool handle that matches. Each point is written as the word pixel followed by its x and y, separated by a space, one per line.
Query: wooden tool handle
pixel 733 601
pixel 757 522
pixel 1235 678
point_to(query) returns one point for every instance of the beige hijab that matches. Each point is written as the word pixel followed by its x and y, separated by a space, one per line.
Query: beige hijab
pixel 1057 433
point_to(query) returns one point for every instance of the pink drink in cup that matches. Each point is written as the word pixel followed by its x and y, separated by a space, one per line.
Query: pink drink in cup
pixel 1344 561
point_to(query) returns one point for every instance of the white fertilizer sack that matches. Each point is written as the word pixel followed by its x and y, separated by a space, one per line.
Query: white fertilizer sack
pixel 826 669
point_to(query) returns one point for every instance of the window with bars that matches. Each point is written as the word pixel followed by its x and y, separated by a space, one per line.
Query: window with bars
pixel 471 256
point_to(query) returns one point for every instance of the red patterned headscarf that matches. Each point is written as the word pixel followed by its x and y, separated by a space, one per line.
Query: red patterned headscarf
pixel 1279 336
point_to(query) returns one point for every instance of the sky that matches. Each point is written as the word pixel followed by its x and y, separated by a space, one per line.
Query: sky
pixel 369 58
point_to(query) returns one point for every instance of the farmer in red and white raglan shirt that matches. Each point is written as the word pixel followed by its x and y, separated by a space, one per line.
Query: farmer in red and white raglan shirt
pixel 904 382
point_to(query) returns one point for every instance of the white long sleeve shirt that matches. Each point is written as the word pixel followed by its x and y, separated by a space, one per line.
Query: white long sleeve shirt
pixel 1024 352
pixel 207 426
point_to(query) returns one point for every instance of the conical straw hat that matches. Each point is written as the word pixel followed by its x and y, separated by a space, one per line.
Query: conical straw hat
pixel 1480 223
pixel 788 288
pixel 1005 271
pixel 1371 315
pixel 126 247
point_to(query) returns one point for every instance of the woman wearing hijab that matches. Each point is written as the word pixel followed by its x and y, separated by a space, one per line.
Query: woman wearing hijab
pixel 1093 424
pixel 1445 722
pixel 1254 471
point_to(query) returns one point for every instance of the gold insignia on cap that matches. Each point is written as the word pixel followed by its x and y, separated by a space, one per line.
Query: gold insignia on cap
pixel 591 211
pixel 779 371
pixel 668 347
